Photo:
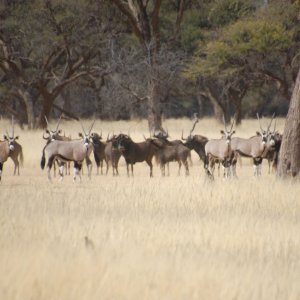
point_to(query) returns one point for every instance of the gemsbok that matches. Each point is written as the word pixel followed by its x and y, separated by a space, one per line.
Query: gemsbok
pixel 10 148
pixel 220 150
pixel 255 147
pixel 67 151
pixel 56 135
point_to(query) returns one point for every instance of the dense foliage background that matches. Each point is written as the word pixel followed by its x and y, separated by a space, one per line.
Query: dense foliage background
pixel 86 58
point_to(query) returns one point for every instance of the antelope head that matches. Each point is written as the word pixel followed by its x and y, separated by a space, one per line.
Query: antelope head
pixel 227 134
pixel 265 134
pixel 86 136
pixel 11 138
pixel 52 134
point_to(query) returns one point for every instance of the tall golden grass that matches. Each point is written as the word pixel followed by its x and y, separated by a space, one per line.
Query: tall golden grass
pixel 139 238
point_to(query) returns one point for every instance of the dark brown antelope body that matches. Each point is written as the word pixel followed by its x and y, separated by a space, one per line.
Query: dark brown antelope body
pixel 112 154
pixel 99 151
pixel 137 152
pixel 168 153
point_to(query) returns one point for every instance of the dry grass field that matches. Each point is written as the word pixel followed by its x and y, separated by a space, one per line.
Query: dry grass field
pixel 139 238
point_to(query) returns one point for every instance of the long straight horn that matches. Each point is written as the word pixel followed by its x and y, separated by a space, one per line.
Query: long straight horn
pixel 232 123
pixel 259 121
pixel 58 123
pixel 182 136
pixel 275 125
pixel 12 125
pixel 92 126
pixel 224 123
pixel 47 122
pixel 82 128
pixel 271 121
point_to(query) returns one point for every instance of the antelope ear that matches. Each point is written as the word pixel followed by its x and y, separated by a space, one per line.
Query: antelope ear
pixel 258 133
pixel 5 137
pixel 222 131
pixel 80 134
pixel 17 137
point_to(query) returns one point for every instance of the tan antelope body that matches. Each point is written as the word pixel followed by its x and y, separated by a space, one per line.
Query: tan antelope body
pixel 10 148
pixel 255 147
pixel 56 135
pixel 220 150
pixel 67 151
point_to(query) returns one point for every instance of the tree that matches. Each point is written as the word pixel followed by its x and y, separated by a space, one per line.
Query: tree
pixel 261 48
pixel 144 19
pixel 53 49
pixel 289 157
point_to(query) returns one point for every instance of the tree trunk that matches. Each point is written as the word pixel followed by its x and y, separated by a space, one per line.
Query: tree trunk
pixel 289 156
pixel 46 110
pixel 154 108
pixel 200 101
pixel 28 101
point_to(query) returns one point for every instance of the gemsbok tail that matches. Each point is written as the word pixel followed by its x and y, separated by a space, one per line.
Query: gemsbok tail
pixel 43 159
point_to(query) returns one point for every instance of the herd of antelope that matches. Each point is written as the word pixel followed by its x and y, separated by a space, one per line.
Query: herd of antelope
pixel 61 150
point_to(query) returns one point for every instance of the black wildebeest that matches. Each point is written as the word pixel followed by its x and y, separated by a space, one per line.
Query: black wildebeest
pixel 112 153
pixel 196 142
pixel 106 151
pixel 171 151
pixel 273 152
pixel 137 152
pixel 99 151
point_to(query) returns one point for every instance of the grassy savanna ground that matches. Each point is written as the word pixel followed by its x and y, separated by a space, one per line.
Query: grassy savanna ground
pixel 161 238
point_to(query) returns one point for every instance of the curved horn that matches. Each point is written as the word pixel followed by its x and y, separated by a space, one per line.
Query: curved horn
pixel 101 134
pixel 259 121
pixel 182 136
pixel 58 123
pixel 144 137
